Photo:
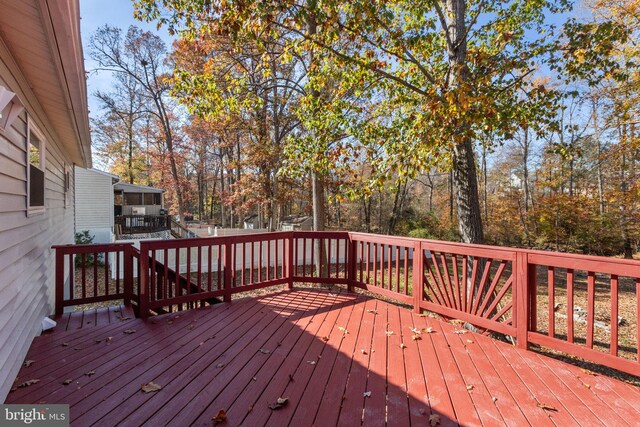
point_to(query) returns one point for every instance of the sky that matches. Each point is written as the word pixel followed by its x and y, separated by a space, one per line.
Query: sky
pixel 95 14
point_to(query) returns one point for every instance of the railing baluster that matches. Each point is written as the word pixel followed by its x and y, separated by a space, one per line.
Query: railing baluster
pixel 591 307
pixel 209 267
pixel 389 269
pixel 570 305
pixel 406 270
pixel 397 268
pixel 84 275
pixel 551 301
pixel 244 264
pixel 613 347
pixel 106 275
pixel 465 287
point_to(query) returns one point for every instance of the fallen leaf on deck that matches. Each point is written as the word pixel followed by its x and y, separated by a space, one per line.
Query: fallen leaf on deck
pixel 130 331
pixel 191 326
pixel 98 341
pixel 325 339
pixel 416 337
pixel 434 419
pixel 495 399
pixel 220 365
pixel 281 402
pixel 470 341
pixel 343 330
pixel 109 340
pixel 250 408
pixel 402 346
pixel 460 331
pixel 588 372
pixel 363 351
pixel 65 344
pixel 220 417
pixel 150 387
pixel 547 407
pixel 587 385
pixel 422 411
pixel 28 363
pixel 416 331
pixel 254 379
pixel 333 295
pixel 311 362
pixel 372 311
pixel 469 387
pixel 367 394
pixel 90 373
pixel 389 333
pixel 125 318
pixel 429 330
pixel 264 351
pixel 67 381
pixel 27 383
pixel 169 322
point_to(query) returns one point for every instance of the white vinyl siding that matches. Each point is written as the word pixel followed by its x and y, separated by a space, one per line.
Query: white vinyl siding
pixel 94 200
pixel 26 258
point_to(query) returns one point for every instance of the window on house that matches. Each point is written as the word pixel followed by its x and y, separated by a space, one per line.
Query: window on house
pixel 35 170
pixel 132 199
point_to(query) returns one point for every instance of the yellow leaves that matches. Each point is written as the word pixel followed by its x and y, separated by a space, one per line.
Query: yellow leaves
pixel 434 420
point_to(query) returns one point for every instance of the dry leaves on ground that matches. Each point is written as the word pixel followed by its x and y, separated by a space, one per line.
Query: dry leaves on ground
pixel 28 363
pixel 26 384
pixel 264 351
pixel 130 331
pixel 150 387
pixel 280 403
pixel 367 394
pixel 67 381
pixel 434 420
pixel 547 407
pixel 220 417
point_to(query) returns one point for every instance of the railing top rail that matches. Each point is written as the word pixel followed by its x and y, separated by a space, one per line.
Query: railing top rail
pixel 91 247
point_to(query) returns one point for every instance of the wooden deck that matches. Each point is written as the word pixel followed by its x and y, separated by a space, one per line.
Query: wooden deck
pixel 340 359
pixel 102 316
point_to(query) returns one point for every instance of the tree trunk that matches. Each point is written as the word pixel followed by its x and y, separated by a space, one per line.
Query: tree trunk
pixel 464 169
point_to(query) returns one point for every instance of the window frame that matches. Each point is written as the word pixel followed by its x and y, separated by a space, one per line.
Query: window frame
pixel 33 129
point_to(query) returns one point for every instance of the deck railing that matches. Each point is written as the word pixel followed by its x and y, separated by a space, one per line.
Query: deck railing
pixel 138 224
pixel 570 303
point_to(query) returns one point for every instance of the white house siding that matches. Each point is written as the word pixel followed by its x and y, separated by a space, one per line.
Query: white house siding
pixel 27 261
pixel 94 204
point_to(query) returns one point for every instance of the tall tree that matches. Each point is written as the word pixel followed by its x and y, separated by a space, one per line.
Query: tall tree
pixel 141 56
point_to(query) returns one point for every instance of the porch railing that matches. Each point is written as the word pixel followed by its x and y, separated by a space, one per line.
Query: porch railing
pixel 581 305
pixel 138 224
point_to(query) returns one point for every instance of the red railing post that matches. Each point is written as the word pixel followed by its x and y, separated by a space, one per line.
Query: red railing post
pixel 228 271
pixel 350 249
pixel 60 281
pixel 127 253
pixel 289 261
pixel 521 294
pixel 417 276
pixel 143 285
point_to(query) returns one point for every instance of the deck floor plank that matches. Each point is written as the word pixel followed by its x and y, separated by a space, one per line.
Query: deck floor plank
pixel 303 361
pixel 328 409
pixel 206 369
pixel 225 388
pixel 310 378
pixel 209 359
pixel 466 412
pixel 397 346
pixel 356 380
pixel 252 403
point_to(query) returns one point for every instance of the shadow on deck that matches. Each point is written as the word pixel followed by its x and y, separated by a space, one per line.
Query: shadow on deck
pixel 339 359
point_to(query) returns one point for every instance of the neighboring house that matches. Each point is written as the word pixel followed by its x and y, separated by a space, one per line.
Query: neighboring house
pixel 296 223
pixel 133 199
pixel 94 203
pixel 44 131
